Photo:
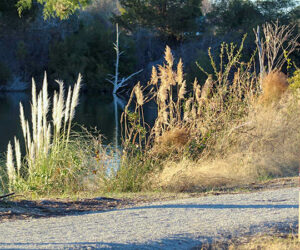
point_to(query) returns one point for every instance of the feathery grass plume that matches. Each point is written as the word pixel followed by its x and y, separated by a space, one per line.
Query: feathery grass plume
pixel 139 94
pixel 54 110
pixel 154 76
pixel 67 109
pixel 45 104
pixel 207 87
pixel 18 155
pixel 75 97
pixel 74 103
pixel 34 111
pixel 59 109
pixel 179 75
pixel 23 122
pixel 198 94
pixel 30 147
pixel 187 110
pixel 39 134
pixel 55 115
pixel 182 90
pixel 48 140
pixel 169 57
pixel 163 76
pixel 11 172
pixel 162 94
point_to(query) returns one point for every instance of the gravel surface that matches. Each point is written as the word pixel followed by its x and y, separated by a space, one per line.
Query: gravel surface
pixel 178 224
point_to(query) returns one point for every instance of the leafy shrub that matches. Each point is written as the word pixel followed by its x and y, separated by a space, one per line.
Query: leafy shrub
pixel 295 81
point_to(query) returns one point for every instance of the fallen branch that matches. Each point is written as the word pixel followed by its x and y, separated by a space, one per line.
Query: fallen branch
pixel 6 195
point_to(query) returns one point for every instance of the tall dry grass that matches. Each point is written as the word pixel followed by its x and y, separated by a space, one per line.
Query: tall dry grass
pixel 225 131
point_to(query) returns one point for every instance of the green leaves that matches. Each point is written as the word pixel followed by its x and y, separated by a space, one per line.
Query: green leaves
pixel 54 8
pixel 168 18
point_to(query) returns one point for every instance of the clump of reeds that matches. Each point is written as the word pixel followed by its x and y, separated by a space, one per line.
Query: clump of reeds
pixel 44 139
pixel 221 133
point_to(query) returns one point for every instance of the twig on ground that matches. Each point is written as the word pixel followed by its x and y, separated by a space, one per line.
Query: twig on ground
pixel 6 195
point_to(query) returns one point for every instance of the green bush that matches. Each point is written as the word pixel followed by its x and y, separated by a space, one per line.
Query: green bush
pixel 295 81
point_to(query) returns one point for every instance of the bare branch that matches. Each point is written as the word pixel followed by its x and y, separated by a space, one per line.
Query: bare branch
pixel 6 195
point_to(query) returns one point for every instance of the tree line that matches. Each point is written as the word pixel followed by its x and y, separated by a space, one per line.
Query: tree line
pixel 181 24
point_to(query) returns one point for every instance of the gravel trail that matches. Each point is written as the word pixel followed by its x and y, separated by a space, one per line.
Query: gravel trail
pixel 178 224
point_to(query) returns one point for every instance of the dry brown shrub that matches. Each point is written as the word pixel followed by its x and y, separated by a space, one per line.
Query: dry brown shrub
pixel 190 176
pixel 173 140
pixel 266 144
pixel 274 85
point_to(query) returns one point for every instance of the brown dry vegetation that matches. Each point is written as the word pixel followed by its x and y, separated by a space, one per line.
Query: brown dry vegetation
pixel 266 143
pixel 274 85
pixel 269 243
pixel 223 133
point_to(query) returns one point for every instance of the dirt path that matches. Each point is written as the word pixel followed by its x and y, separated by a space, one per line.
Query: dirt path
pixel 175 224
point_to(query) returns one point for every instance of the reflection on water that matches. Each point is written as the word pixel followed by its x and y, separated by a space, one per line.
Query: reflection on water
pixel 9 117
pixel 98 111
pixel 92 111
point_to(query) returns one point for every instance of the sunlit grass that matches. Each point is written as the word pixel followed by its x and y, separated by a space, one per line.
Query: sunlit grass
pixel 57 160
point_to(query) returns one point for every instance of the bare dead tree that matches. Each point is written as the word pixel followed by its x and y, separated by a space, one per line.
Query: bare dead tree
pixel 115 79
pixel 275 46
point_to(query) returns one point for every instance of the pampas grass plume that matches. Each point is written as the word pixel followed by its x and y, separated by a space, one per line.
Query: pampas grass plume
pixel 179 77
pixel 139 95
pixel 68 102
pixel 182 90
pixel 34 111
pixel 18 154
pixel 154 76
pixel 23 122
pixel 39 123
pixel 60 107
pixel 75 97
pixel 10 164
pixel 169 57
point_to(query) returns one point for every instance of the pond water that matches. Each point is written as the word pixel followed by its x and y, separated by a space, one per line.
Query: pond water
pixel 92 111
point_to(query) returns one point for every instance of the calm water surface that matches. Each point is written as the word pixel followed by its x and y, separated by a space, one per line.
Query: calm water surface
pixel 92 111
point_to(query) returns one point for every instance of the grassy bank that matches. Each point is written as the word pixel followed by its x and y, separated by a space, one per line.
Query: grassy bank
pixel 237 127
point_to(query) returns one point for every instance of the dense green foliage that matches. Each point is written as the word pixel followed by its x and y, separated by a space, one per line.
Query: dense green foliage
pixel 54 8
pixel 243 15
pixel 170 18
pixel 9 15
